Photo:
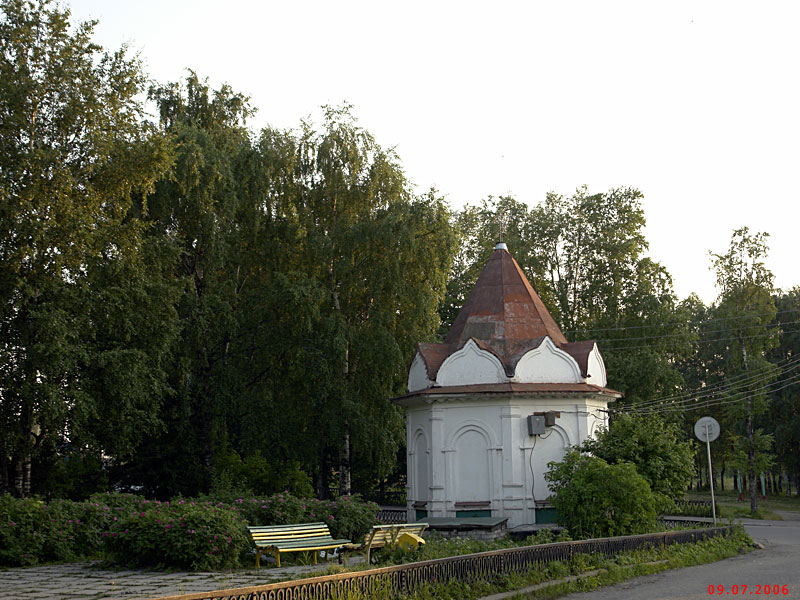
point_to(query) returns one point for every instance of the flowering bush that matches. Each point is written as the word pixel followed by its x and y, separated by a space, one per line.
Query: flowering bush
pixel 204 534
pixel 347 517
pixel 183 533
pixel 32 531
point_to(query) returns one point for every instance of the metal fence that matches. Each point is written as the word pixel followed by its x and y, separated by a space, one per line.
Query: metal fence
pixel 693 508
pixel 471 567
pixel 384 498
pixel 391 516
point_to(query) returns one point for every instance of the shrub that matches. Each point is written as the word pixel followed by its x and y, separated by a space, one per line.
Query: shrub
pixel 595 499
pixel 347 517
pixel 130 530
pixel 32 531
pixel 183 534
pixel 654 446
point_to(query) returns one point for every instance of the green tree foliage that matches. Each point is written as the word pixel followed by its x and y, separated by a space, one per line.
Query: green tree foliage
pixel 597 499
pixel 743 312
pixel 209 208
pixel 784 411
pixel 86 319
pixel 381 256
pixel 585 257
pixel 308 271
pixel 655 447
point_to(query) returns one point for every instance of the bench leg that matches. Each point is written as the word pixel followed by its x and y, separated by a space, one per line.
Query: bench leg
pixel 258 558
pixel 315 552
pixel 277 555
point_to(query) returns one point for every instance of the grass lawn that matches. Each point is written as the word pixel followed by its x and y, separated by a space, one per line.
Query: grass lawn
pixel 730 507
pixel 583 572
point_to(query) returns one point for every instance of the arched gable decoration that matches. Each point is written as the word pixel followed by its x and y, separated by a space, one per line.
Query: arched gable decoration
pixel 547 364
pixel 418 375
pixel 471 365
pixel 596 368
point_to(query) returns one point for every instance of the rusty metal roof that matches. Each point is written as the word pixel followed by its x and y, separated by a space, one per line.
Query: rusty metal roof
pixel 504 311
pixel 505 316
pixel 580 352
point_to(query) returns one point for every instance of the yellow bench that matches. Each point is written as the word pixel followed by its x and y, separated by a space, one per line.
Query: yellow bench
pixel 305 537
pixel 407 535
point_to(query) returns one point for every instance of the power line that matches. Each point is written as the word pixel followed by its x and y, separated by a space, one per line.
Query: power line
pixel 744 316
pixel 666 335
pixel 722 387
pixel 740 396
pixel 744 337
pixel 748 379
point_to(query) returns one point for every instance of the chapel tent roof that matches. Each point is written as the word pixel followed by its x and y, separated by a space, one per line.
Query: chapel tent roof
pixel 504 315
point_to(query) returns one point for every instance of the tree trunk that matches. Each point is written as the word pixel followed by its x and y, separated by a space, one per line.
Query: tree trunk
pixel 722 478
pixel 344 466
pixel 3 473
pixel 751 447
pixel 26 477
pixel 18 479
pixel 323 483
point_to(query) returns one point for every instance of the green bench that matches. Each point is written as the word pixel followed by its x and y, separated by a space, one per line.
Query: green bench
pixel 305 537
pixel 407 535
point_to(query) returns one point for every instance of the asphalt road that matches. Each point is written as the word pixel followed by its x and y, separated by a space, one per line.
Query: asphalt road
pixel 777 564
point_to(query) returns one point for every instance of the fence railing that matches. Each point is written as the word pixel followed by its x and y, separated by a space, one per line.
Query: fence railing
pixel 391 516
pixel 471 567
pixel 693 508
pixel 384 498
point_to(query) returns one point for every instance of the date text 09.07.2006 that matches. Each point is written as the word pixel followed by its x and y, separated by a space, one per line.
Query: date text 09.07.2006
pixel 749 590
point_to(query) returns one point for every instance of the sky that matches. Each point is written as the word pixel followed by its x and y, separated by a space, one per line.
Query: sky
pixel 696 104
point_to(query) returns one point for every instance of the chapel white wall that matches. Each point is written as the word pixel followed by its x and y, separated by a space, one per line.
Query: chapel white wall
pixel 481 447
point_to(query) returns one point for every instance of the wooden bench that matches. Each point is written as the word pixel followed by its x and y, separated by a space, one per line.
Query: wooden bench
pixel 305 537
pixel 408 535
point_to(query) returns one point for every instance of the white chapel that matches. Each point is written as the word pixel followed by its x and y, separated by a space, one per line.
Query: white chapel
pixel 504 395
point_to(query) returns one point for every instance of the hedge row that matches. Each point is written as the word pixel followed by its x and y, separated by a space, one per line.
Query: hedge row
pixel 185 533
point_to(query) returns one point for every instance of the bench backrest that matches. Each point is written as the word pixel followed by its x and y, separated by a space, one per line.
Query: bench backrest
pixel 381 535
pixel 282 533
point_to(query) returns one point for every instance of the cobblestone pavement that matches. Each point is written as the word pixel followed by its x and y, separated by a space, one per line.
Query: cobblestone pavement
pixel 85 581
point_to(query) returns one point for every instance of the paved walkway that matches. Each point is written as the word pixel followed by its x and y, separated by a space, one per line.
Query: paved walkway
pixel 777 564
pixel 84 581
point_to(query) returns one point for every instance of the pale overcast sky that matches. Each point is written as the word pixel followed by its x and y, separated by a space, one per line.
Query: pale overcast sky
pixel 696 103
